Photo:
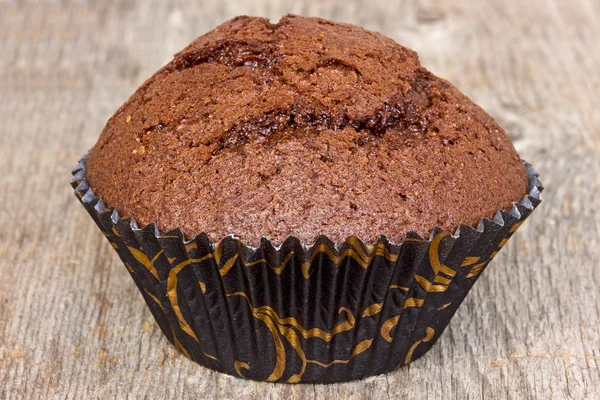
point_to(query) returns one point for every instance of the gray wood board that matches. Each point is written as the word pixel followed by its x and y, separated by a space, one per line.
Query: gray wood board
pixel 72 323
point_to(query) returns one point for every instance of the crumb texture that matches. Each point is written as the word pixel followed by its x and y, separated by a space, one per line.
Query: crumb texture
pixel 304 127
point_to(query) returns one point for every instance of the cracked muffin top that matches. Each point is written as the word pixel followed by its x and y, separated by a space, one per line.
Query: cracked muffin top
pixel 306 127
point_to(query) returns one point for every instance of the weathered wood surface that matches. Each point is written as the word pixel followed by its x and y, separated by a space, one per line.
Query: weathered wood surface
pixel 72 324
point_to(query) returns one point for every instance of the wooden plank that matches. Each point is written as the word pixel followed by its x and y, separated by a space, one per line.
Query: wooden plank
pixel 72 324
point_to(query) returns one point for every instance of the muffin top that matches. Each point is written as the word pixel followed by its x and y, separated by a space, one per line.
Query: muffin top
pixel 304 127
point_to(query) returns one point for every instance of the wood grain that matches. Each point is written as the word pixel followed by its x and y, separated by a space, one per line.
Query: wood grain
pixel 72 324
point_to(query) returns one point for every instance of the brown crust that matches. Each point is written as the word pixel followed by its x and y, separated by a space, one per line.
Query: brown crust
pixel 302 128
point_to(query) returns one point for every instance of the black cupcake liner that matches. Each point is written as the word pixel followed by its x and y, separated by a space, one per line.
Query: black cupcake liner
pixel 323 312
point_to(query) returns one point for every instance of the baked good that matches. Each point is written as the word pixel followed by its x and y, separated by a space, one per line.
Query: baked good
pixel 280 176
pixel 302 128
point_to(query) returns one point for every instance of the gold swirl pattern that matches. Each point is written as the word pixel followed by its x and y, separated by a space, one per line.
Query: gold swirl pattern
pixel 359 348
pixel 440 283
pixel 355 251
pixel 429 332
pixel 289 328
pixel 176 342
pixel 228 265
pixel 155 299
pixel 373 309
pixel 469 261
pixel 403 288
pixel 191 246
pixel 143 259
pixel 306 333
pixel 172 293
pixel 516 226
pixel 387 327
pixel 231 262
pixel 283 327
pixel 392 322
pixel 112 243
pixel 182 349
pixel 477 268
pixel 238 365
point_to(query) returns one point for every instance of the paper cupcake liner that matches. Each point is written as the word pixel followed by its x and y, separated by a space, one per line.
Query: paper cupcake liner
pixel 323 312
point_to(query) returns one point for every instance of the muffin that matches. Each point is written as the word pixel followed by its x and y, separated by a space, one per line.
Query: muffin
pixel 315 204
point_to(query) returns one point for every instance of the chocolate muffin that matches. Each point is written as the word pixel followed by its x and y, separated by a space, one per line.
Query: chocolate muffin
pixel 300 186
pixel 302 128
